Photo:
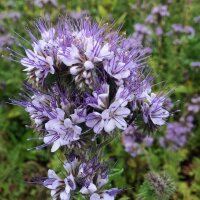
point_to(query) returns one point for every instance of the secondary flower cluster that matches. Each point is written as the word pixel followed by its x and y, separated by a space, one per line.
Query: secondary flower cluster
pixel 134 141
pixel 84 82
pixel 178 30
pixel 81 175
pixel 156 17
pixel 178 133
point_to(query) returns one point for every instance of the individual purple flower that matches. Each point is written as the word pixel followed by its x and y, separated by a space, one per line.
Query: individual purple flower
pixel 189 31
pixel 109 119
pixel 177 28
pixel 37 67
pixel 159 31
pixel 100 97
pixel 151 19
pixel 61 131
pixel 105 195
pixel 154 112
pixel 85 54
pixel 59 188
pixel 142 29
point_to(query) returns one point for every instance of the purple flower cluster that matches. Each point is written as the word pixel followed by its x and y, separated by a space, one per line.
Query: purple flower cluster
pixel 84 82
pixel 157 13
pixel 141 35
pixel 134 141
pixel 194 106
pixel 87 177
pixel 107 83
pixel 178 30
pixel 177 133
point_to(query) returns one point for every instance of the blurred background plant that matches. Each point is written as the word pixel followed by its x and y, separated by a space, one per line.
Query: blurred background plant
pixel 170 30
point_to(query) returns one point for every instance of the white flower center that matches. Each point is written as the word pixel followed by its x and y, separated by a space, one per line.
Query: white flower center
pixel 88 65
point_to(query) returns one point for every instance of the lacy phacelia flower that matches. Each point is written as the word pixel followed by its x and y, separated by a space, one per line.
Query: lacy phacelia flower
pixel 154 111
pixel 60 189
pixel 84 81
pixel 157 13
pixel 85 176
pixel 87 78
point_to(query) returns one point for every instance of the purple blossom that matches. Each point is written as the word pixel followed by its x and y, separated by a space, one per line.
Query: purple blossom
pixel 37 67
pixel 108 119
pixel 61 131
pixel 154 112
pixel 194 106
pixel 106 195
pixel 177 134
pixel 134 141
pixel 151 19
pixel 179 30
pixel 189 31
pixel 159 31
pixel 161 10
pixel 59 188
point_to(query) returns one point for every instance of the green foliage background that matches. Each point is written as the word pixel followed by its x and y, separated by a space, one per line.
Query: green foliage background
pixel 169 63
